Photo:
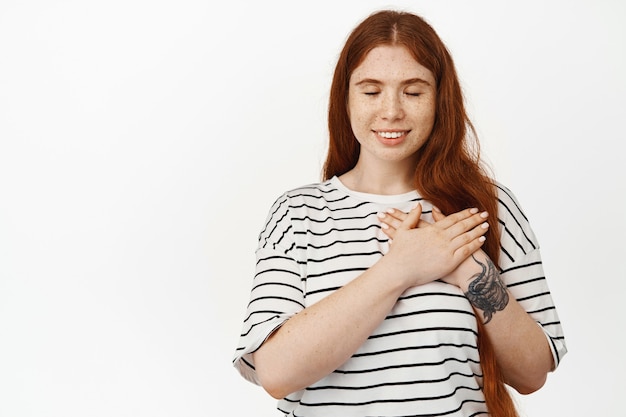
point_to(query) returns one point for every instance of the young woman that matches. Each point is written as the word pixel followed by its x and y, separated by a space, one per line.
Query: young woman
pixel 408 282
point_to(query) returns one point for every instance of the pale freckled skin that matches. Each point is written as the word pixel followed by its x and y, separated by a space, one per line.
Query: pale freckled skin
pixel 391 91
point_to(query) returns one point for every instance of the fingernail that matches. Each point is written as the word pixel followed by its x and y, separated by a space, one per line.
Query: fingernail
pixel 384 225
pixel 381 215
pixel 474 210
pixel 484 225
pixel 482 239
pixel 484 214
pixel 390 210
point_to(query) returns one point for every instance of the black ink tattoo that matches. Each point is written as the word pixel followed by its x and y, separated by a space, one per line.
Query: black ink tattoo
pixel 486 291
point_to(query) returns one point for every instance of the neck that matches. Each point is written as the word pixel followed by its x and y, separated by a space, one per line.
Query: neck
pixel 382 180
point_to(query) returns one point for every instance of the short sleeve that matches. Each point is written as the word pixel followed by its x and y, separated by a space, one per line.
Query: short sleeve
pixel 523 273
pixel 277 292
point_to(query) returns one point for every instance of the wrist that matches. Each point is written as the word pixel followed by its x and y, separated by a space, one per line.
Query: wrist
pixel 397 276
pixel 484 289
pixel 465 273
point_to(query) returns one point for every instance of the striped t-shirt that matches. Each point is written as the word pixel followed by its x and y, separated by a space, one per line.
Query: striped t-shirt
pixel 423 359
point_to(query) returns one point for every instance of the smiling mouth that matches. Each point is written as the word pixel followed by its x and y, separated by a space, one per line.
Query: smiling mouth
pixel 391 135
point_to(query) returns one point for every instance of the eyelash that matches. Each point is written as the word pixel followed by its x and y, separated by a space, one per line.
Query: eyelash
pixel 408 94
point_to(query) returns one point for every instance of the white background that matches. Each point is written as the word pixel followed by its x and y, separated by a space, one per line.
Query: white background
pixel 142 143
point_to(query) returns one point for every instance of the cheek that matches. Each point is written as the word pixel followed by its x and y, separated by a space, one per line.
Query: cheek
pixel 359 124
pixel 353 116
pixel 358 114
pixel 426 114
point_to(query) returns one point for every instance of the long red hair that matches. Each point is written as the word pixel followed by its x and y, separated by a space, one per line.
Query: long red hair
pixel 448 171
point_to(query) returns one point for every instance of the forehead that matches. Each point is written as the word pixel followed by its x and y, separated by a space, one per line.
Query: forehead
pixel 390 63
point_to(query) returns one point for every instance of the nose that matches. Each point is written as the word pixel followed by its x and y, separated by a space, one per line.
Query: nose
pixel 392 107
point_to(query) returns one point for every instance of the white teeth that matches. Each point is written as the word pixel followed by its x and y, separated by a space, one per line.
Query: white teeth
pixel 391 135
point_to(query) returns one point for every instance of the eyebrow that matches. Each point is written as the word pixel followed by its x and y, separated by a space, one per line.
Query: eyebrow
pixel 405 82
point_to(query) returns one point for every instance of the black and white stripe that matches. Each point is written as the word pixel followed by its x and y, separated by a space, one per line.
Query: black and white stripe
pixel 423 359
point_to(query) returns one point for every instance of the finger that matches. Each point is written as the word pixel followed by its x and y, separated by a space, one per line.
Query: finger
pixel 413 218
pixel 471 246
pixel 467 224
pixel 397 214
pixel 396 219
pixel 399 217
pixel 462 221
pixel 387 229
pixel 437 214
pixel 391 218
pixel 470 241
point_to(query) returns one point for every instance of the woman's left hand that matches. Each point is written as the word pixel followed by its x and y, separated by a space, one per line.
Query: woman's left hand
pixel 393 218
pixel 524 355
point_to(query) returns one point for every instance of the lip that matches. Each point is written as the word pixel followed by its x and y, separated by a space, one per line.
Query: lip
pixel 391 141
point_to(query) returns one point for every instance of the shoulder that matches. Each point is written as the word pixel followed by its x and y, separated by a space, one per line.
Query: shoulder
pixel 312 190
pixel 508 204
pixel 316 194
pixel 516 234
pixel 293 207
pixel 313 195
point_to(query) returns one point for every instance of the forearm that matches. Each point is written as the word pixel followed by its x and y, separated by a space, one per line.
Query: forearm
pixel 521 348
pixel 320 338
pixel 520 345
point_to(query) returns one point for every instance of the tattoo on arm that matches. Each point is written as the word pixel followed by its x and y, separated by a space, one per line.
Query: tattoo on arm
pixel 487 291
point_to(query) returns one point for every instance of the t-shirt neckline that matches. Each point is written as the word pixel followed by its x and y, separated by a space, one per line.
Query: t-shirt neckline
pixel 376 198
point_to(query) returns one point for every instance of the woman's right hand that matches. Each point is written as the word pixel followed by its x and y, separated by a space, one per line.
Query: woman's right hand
pixel 423 252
